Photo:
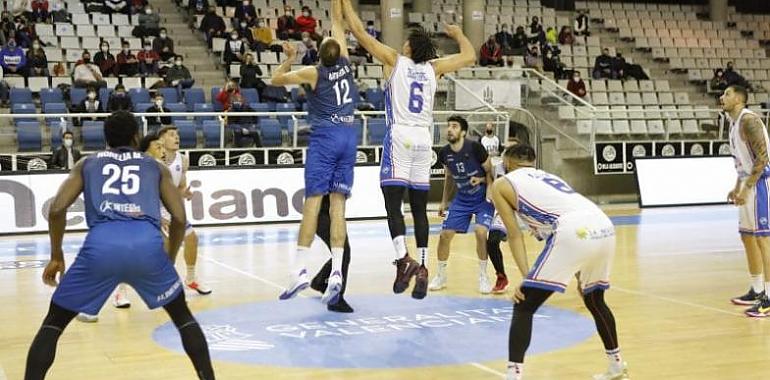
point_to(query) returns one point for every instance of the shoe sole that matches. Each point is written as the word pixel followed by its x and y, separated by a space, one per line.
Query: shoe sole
pixel 499 291
pixel 743 303
pixel 201 292
pixel 435 289
pixel 286 295
pixel 401 286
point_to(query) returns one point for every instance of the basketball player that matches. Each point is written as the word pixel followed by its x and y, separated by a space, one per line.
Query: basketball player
pixel 123 190
pixel 580 238
pixel 411 86
pixel 749 146
pixel 178 164
pixel 467 165
pixel 331 156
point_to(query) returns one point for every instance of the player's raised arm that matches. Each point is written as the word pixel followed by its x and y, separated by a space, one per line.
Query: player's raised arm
pixel 384 53
pixel 466 57
pixel 505 198
pixel 338 28
pixel 68 192
pixel 172 200
pixel 282 75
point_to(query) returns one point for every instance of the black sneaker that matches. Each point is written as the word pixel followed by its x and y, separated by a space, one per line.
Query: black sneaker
pixel 748 299
pixel 420 283
pixel 761 309
pixel 406 267
pixel 340 307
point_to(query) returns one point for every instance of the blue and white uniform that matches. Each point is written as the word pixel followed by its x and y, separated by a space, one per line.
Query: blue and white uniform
pixel 470 200
pixel 331 154
pixel 755 213
pixel 176 167
pixel 579 236
pixel 124 244
pixel 407 147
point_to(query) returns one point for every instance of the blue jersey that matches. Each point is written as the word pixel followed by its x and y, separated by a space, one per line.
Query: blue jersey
pixel 463 165
pixel 121 185
pixel 335 96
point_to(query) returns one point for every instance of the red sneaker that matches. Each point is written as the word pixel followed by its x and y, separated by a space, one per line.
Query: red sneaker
pixel 501 285
pixel 406 268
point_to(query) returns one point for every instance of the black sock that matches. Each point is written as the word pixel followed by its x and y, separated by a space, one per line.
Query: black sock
pixel 605 321
pixel 193 340
pixel 43 349
pixel 520 333
pixel 494 239
pixel 418 202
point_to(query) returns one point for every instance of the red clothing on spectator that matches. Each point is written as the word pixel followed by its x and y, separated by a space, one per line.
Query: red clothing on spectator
pixel 40 5
pixel 491 53
pixel 144 55
pixel 578 88
pixel 225 98
pixel 306 24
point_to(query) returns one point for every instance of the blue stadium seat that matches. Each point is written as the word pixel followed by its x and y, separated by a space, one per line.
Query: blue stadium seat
pixel 295 95
pixel 141 107
pixel 28 108
pixel 77 95
pixel 177 107
pixel 104 97
pixel 286 121
pixel 93 135
pixel 203 107
pixel 188 137
pixel 271 132
pixel 51 95
pixel 250 95
pixel 55 123
pixel 170 94
pixel 139 95
pixel 376 97
pixel 260 107
pixel 54 108
pixel 211 133
pixel 359 126
pixel 193 96
pixel 376 131
pixel 20 95
pixel 214 92
pixel 29 137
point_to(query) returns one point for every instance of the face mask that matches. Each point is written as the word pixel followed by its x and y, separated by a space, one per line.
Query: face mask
pixel 370 27
pixel 505 30
pixel 234 36
pixel 67 143
pixel 243 25
pixel 288 13
pixel 148 48
pixel 91 96
pixel 178 63
pixel 36 46
pixel 105 49
pixel 305 39
pixel 237 104
pixel 306 14
pixel 576 79
pixel 148 11
pixel 261 24
pixel 245 3
pixel 125 51
pixel 159 103
pixel 163 35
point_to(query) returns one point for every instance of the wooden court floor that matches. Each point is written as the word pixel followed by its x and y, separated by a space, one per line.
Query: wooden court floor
pixel 673 275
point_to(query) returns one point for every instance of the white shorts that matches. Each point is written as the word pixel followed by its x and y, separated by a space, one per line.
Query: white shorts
pixel 753 215
pixel 165 216
pixel 582 243
pixel 406 157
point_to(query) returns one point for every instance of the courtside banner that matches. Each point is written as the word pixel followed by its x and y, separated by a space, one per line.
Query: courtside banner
pixel 224 196
pixel 499 93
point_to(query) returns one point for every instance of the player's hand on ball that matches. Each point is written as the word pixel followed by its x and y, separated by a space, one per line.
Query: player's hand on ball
pixel 50 271
pixel 290 49
pixel 518 295
pixel 452 30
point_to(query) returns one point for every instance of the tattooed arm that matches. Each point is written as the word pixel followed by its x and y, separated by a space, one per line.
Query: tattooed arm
pixel 753 132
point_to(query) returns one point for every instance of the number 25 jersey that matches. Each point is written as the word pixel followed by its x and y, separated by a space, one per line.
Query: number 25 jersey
pixel 409 94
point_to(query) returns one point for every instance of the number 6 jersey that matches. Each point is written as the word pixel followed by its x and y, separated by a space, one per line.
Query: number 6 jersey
pixel 409 94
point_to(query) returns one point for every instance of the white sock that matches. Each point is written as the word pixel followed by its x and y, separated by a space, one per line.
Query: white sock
pixel 483 267
pixel 337 260
pixel 616 361
pixel 515 371
pixel 423 256
pixel 442 267
pixel 299 259
pixel 767 288
pixel 190 273
pixel 399 243
pixel 756 282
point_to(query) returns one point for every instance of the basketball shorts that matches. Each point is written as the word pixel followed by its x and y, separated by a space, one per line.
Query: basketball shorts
pixel 497 224
pixel 166 217
pixel 582 243
pixel 753 215
pixel 128 252
pixel 331 158
pixel 462 209
pixel 406 157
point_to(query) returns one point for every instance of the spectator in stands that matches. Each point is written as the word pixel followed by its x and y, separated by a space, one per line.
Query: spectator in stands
pixel 117 6
pixel 536 33
pixel 12 59
pixel 179 76
pixel 306 23
pixel 149 21
pixel 90 104
pixel 250 75
pixel 39 10
pixel 603 66
pixel 228 93
pixel 565 36
pixel 234 49
pixel 7 28
pixel 619 67
pixel 37 61
pixel 311 53
pixel 244 30
pixel 4 89
pixel 245 12
pixel 155 122
pixel 245 132
pixel 287 25
pixel 505 39
pixel 519 44
pixel 148 60
pixel 581 24
pixel 107 63
pixel 197 7
pixel 718 82
pixel 551 36
pixel 733 78
pixel 531 58
pixel 128 64
pixel 491 54
pixel 356 53
pixel 59 13
pixel 262 36
pixel 25 33
pixel 577 86
pixel 164 45
pixel 119 100
pixel 372 31
pixel 67 155
pixel 212 25
pixel 552 63
pixel 87 74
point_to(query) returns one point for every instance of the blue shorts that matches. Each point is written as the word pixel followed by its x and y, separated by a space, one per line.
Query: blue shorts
pixel 461 210
pixel 331 158
pixel 128 252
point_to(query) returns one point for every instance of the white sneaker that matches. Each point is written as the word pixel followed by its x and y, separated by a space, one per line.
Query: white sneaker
pixel 198 287
pixel 614 375
pixel 301 282
pixel 484 286
pixel 87 318
pixel 333 289
pixel 438 282
pixel 120 300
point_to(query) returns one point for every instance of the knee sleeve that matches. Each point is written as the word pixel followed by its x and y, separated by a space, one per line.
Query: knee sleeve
pixel 394 196
pixel 418 201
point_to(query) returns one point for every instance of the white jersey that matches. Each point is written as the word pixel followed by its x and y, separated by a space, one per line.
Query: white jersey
pixel 409 94
pixel 491 144
pixel 543 198
pixel 176 167
pixel 740 149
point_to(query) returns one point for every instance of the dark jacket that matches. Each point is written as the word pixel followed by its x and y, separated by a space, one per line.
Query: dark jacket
pixel 158 120
pixel 177 73
pixel 603 63
pixel 250 77
pixel 212 21
pixel 60 156
pixel 119 103
pixel 241 12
